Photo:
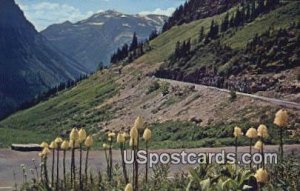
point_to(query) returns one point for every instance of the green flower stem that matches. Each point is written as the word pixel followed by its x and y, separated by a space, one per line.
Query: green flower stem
pixel 107 163
pixel 57 169
pixel 80 167
pixel 52 168
pixel 236 155
pixel 36 170
pixel 147 153
pixel 281 144
pixel 46 173
pixel 136 167
pixel 42 169
pixel 64 168
pixel 251 153
pixel 133 165
pixel 123 163
pixel 86 165
pixel 110 160
pixel 262 153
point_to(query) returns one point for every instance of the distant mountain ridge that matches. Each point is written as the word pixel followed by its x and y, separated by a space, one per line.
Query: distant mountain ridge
pixel 29 64
pixel 94 39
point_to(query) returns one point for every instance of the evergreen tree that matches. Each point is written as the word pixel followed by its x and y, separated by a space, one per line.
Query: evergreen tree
pixel 177 49
pixel 225 23
pixel 238 19
pixel 188 46
pixel 261 6
pixel 253 11
pixel 247 13
pixel 100 66
pixel 214 30
pixel 153 35
pixel 231 21
pixel 201 34
pixel 211 30
pixel 125 51
pixel 134 43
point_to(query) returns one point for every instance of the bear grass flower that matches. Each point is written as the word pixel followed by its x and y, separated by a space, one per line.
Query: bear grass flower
pixel 147 135
pixel 53 145
pixel 120 138
pixel 81 135
pixel 128 187
pixel 89 141
pixel 111 135
pixel 46 151
pixel 44 144
pixel 262 131
pixel 65 145
pixel 40 154
pixel 259 145
pixel 237 132
pixel 134 134
pixel 261 175
pixel 74 135
pixel 281 118
pixel 81 139
pixel 251 133
pixel 105 146
pixel 73 144
pixel 139 123
pixel 58 140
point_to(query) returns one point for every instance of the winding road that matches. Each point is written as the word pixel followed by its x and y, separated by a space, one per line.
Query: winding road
pixel 279 102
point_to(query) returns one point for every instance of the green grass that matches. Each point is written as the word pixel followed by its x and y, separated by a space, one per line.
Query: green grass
pixel 9 136
pixel 184 134
pixel 164 45
pixel 279 18
pixel 77 106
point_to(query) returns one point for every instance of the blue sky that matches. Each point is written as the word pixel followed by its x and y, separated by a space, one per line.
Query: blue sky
pixel 43 13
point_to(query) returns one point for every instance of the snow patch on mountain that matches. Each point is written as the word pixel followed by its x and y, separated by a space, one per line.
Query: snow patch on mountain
pixel 126 25
pixel 96 24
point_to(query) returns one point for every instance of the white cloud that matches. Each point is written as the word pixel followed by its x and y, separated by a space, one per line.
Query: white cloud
pixel 158 11
pixel 44 14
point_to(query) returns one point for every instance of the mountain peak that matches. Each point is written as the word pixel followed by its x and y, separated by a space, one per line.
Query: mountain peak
pixel 112 12
pixel 12 16
pixel 98 36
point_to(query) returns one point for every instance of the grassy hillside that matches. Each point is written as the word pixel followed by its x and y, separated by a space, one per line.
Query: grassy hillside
pixel 111 100
pixel 70 107
pixel 164 45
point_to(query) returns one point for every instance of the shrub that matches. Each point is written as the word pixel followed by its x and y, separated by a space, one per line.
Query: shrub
pixel 153 87
pixel 165 88
pixel 232 96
